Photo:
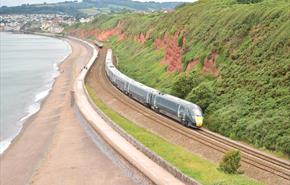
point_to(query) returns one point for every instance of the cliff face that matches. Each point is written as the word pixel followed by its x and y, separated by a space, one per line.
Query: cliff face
pixel 95 33
pixel 172 59
pixel 232 59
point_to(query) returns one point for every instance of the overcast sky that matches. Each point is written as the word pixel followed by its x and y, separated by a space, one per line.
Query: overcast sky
pixel 19 2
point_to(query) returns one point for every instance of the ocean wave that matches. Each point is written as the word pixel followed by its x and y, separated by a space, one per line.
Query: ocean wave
pixel 39 97
pixel 32 109
pixel 4 144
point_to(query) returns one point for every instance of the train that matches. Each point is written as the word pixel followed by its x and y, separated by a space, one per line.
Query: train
pixel 98 44
pixel 186 113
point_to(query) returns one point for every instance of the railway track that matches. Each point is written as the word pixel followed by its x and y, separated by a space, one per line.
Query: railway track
pixel 250 156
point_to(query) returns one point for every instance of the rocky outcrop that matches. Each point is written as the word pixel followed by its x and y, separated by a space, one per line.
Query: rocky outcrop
pixel 122 37
pixel 141 38
pixel 101 35
pixel 173 52
pixel 104 35
pixel 81 33
pixel 191 64
pixel 209 64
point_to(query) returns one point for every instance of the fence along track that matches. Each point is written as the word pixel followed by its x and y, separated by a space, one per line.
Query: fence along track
pixel 250 156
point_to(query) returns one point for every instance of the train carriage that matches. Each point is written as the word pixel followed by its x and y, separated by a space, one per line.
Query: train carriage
pixel 98 44
pixel 122 83
pixel 138 92
pixel 183 111
pixel 167 106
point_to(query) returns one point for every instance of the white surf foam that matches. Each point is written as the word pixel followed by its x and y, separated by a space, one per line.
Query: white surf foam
pixel 39 97
pixel 32 109
pixel 4 145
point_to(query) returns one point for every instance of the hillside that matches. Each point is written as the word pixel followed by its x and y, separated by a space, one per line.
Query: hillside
pixel 87 7
pixel 231 57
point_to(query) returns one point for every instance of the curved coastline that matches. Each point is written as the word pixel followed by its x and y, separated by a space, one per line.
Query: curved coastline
pixel 39 96
pixel 53 145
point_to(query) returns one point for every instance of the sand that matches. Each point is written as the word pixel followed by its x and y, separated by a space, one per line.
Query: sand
pixel 52 147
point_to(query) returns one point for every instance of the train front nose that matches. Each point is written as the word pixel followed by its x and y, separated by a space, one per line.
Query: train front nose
pixel 198 121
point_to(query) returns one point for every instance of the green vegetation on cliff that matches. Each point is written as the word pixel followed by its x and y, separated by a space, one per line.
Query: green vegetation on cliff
pixel 234 58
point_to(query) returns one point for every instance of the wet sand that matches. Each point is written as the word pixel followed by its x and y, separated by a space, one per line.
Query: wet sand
pixel 52 147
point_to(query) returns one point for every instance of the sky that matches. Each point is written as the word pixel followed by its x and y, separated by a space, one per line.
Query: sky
pixel 19 2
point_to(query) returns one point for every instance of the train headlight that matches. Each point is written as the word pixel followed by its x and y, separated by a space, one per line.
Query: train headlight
pixel 198 121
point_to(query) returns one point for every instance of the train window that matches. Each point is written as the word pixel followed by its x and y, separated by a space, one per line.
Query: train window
pixel 197 112
pixel 168 104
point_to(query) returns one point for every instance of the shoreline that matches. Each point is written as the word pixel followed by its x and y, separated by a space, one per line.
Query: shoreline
pixel 53 148
pixel 34 107
pixel 32 144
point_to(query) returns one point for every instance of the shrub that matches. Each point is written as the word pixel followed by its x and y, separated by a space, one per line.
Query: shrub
pixel 180 40
pixel 249 1
pixel 149 42
pixel 184 83
pixel 284 144
pixel 202 95
pixel 231 162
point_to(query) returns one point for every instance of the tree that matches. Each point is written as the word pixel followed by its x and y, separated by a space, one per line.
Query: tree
pixel 231 162
pixel 202 95
pixel 184 83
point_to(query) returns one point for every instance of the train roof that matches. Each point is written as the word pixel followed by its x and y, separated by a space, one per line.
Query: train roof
pixel 187 103
pixel 98 43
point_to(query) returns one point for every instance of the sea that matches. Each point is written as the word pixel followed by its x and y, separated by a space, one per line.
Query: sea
pixel 28 68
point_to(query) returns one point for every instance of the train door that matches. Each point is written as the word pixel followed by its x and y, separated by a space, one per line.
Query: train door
pixel 114 79
pixel 126 86
pixel 181 113
pixel 152 99
pixel 148 98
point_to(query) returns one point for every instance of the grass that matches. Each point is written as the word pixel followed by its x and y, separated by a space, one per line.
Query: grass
pixel 194 166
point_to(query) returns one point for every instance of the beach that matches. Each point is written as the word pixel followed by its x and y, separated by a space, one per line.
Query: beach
pixel 53 148
pixel 27 74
